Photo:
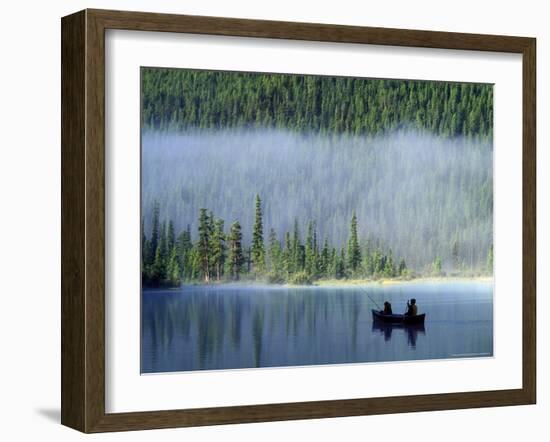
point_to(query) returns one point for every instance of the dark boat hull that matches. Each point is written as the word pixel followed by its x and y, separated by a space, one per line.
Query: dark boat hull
pixel 398 319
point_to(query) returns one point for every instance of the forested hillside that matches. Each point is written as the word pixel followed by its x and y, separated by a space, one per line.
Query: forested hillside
pixel 408 163
pixel 175 99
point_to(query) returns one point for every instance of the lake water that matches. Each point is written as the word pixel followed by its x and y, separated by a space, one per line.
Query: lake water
pixel 231 326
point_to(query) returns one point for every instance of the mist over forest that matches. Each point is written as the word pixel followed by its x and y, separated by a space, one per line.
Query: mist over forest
pixel 412 191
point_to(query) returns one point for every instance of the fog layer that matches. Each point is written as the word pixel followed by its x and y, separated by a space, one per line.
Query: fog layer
pixel 414 192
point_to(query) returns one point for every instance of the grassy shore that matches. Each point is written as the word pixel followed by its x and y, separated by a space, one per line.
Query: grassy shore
pixel 396 281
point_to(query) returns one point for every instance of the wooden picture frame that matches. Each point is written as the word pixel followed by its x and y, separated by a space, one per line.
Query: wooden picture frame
pixel 83 220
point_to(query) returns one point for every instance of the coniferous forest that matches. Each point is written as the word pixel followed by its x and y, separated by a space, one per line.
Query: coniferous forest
pixel 292 179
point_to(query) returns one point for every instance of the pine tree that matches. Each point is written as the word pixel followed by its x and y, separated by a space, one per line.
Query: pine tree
pixel 218 248
pixel 258 249
pixel 203 245
pixel 341 265
pixel 275 253
pixel 287 256
pixel 310 257
pixel 389 268
pixel 325 260
pixel 170 236
pixel 154 234
pixel 354 251
pixel 402 267
pixel 185 246
pixel 236 258
pixel 296 258
pixel 173 269
pixel 437 267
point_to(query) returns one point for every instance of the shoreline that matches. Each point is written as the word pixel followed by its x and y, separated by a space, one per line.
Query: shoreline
pixel 391 281
pixel 327 283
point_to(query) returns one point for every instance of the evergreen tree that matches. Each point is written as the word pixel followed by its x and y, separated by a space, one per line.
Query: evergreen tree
pixel 154 234
pixel 287 255
pixel 389 268
pixel 402 267
pixel 354 251
pixel 173 269
pixel 236 258
pixel 218 248
pixel 275 254
pixel 310 255
pixel 184 246
pixel 170 236
pixel 325 260
pixel 296 249
pixel 203 245
pixel 437 267
pixel 257 249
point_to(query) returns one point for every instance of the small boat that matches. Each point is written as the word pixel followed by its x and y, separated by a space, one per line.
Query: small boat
pixel 398 319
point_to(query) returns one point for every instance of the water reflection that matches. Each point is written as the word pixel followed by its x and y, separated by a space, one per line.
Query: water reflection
pixel 412 331
pixel 221 327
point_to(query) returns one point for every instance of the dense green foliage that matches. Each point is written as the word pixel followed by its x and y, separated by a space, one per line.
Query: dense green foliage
pixel 221 257
pixel 176 99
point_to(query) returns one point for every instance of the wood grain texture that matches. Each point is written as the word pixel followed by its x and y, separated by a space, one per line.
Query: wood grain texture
pixel 73 257
pixel 83 220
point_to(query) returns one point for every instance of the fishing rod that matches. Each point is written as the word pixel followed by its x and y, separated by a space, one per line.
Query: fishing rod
pixel 367 293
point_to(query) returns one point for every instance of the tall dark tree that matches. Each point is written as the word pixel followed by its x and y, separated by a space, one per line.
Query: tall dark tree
pixel 170 236
pixel 275 253
pixel 258 249
pixel 154 233
pixel 203 244
pixel 402 267
pixel 296 249
pixel 184 246
pixel 354 251
pixel 218 248
pixel 236 257
pixel 310 251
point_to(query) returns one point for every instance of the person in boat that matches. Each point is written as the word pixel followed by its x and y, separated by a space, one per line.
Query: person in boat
pixel 387 309
pixel 412 308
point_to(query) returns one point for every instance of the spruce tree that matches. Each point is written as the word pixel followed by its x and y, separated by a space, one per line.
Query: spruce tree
pixel 258 249
pixel 402 267
pixel 170 236
pixel 203 245
pixel 287 255
pixel 275 253
pixel 218 248
pixel 154 233
pixel 325 260
pixel 296 258
pixel 235 258
pixel 310 263
pixel 389 268
pixel 184 246
pixel 354 251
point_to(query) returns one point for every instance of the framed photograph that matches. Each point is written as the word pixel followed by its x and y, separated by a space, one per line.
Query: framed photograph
pixel 270 220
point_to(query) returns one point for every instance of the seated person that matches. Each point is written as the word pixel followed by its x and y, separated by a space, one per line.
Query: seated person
pixel 387 309
pixel 412 308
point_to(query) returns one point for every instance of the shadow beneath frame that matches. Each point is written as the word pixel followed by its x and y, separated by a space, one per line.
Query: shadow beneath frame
pixel 51 414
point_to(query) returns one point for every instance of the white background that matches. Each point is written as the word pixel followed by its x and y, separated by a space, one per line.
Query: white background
pixel 30 221
pixel 128 391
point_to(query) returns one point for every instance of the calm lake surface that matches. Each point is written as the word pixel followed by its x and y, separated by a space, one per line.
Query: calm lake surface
pixel 231 326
